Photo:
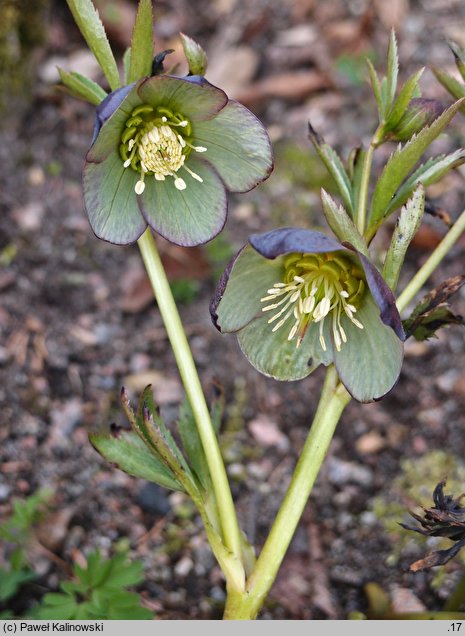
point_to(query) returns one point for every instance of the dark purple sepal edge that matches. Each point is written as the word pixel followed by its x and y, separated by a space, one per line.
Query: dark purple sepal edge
pixel 107 107
pixel 287 240
pixel 221 287
pixel 383 296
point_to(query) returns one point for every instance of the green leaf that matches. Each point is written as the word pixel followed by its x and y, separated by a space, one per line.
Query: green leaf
pixel 406 227
pixel 375 83
pixel 335 168
pixel 428 173
pixel 402 161
pixel 195 55
pixel 192 444
pixel 392 71
pixel 433 312
pixel 88 21
pixel 341 223
pixel 130 454
pixel 455 88
pixel 459 55
pixel 369 363
pixel 237 146
pixel 403 99
pixel 12 580
pixel 57 607
pixel 82 87
pixel 142 43
pixel 250 278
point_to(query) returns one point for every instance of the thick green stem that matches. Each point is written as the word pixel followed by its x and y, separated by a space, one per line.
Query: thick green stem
pixel 190 379
pixel 361 212
pixel 433 261
pixel 333 400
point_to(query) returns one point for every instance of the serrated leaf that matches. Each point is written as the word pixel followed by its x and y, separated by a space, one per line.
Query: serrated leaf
pixel 170 454
pixel 402 101
pixel 375 83
pixel 433 312
pixel 82 87
pixel 141 56
pixel 459 55
pixel 428 173
pixel 88 21
pixel 130 454
pixel 455 88
pixel 430 322
pixel 334 166
pixel 392 71
pixel 402 161
pixel 192 444
pixel 341 223
pixel 406 227
pixel 195 55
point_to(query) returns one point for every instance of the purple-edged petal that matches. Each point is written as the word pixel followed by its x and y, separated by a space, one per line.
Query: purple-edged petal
pixel 108 138
pixel 237 145
pixel 369 363
pixel 111 202
pixel 246 279
pixel 107 107
pixel 286 240
pixel 186 217
pixel 194 98
pixel 383 296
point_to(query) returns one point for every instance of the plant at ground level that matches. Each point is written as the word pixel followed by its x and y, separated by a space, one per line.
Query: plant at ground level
pixel 165 151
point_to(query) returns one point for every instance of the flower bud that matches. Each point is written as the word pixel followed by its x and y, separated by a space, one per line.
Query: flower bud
pixel 419 114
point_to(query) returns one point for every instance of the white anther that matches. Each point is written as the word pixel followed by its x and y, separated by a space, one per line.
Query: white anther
pixel 139 187
pixel 193 174
pixel 179 183
pixel 127 163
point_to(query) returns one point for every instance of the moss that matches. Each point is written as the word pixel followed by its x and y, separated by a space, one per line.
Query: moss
pixel 22 30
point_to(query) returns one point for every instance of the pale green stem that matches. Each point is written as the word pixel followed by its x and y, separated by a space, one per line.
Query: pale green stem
pixel 361 212
pixel 333 400
pixel 191 381
pixel 433 261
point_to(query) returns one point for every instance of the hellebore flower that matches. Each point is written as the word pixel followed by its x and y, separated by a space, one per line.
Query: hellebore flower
pixel 165 150
pixel 298 298
pixel 445 519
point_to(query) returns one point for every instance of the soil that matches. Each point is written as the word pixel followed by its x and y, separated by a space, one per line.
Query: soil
pixel 77 321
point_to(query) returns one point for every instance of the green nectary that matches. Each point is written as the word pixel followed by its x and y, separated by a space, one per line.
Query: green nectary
pixel 157 142
pixel 313 287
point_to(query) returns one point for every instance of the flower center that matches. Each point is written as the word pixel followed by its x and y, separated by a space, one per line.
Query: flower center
pixel 316 287
pixel 156 141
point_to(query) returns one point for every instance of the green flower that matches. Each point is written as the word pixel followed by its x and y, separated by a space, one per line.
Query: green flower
pixel 298 299
pixel 164 153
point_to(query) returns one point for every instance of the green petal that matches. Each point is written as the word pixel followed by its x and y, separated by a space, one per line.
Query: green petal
pixel 274 355
pixel 111 202
pixel 108 139
pixel 369 362
pixel 249 279
pixel 237 145
pixel 186 217
pixel 195 98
